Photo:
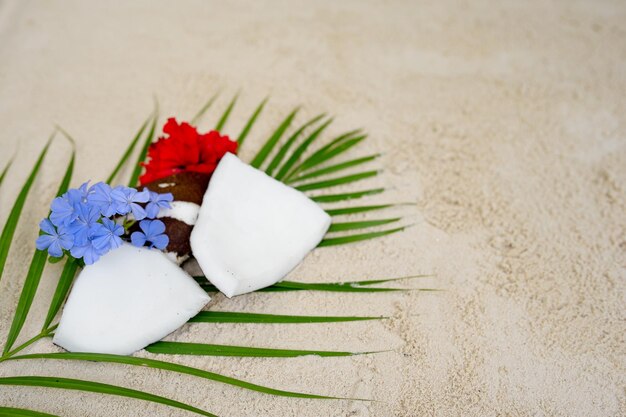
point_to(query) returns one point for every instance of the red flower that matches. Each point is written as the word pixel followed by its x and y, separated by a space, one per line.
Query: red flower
pixel 184 149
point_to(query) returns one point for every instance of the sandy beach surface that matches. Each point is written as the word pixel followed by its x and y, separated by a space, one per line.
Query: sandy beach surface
pixel 502 125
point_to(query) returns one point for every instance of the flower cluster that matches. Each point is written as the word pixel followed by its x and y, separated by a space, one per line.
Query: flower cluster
pixel 184 149
pixel 87 222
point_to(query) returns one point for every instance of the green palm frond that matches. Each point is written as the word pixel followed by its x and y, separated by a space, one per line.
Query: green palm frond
pixel 333 241
pixel 204 109
pixel 357 209
pixel 282 152
pixel 222 121
pixel 22 412
pixel 5 170
pixel 9 227
pixel 61 291
pixel 31 283
pixel 333 198
pixel 134 178
pixel 334 168
pixel 344 226
pixel 273 140
pixel 97 387
pixel 348 286
pixel 129 150
pixel 201 349
pixel 347 179
pixel 244 133
pixel 301 149
pixel 241 317
pixel 166 366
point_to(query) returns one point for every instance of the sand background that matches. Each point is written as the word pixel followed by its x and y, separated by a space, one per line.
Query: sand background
pixel 502 122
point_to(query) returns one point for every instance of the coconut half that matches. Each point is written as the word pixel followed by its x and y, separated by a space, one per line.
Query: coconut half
pixel 130 298
pixel 252 229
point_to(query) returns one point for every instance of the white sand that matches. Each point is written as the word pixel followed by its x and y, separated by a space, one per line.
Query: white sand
pixel 504 123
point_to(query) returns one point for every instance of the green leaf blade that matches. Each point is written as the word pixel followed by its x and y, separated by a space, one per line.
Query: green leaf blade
pixel 336 147
pixel 271 142
pixel 167 366
pixel 285 170
pixel 11 224
pixel 345 226
pixel 97 387
pixel 282 152
pixel 241 317
pixel 222 121
pixel 22 412
pixel 357 209
pixel 134 178
pixel 35 270
pixel 334 168
pixel 5 170
pixel 183 348
pixel 334 241
pixel 332 198
pixel 129 150
pixel 347 179
pixel 61 291
pixel 204 109
pixel 251 121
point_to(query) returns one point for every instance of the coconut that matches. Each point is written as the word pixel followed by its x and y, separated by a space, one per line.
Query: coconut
pixel 252 229
pixel 130 298
pixel 188 188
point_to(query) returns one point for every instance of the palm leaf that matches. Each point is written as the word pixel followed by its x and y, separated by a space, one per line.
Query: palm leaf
pixel 350 286
pixel 240 317
pixel 38 262
pixel 9 228
pixel 347 179
pixel 167 366
pixel 333 241
pixel 134 178
pixel 204 109
pixel 358 209
pixel 250 123
pixel 182 348
pixel 63 287
pixel 299 151
pixel 335 148
pixel 334 168
pixel 226 114
pixel 331 198
pixel 5 170
pixel 282 152
pixel 97 387
pixel 129 150
pixel 344 226
pixel 22 412
pixel 273 140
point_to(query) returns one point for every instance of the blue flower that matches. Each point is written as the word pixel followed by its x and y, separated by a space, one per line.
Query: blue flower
pixel 152 232
pixel 127 199
pixel 100 196
pixel 62 211
pixel 158 202
pixel 106 235
pixel 54 240
pixel 88 252
pixel 87 217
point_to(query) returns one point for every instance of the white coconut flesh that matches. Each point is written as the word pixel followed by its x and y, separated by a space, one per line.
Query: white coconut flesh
pixel 252 229
pixel 128 299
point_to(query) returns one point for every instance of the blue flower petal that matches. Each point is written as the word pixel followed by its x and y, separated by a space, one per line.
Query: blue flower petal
pixel 138 239
pixel 47 227
pixel 43 242
pixel 160 241
pixel 55 249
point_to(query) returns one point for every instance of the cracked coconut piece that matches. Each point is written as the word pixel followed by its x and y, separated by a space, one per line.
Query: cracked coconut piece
pixel 188 188
pixel 130 298
pixel 252 229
